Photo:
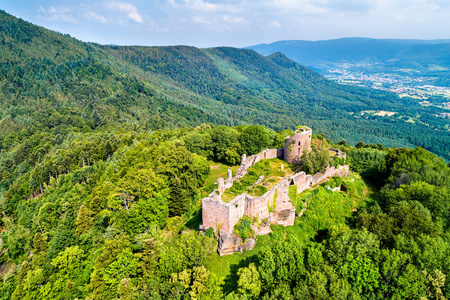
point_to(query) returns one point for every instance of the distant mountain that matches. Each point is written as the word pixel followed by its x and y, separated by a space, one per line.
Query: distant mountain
pixel 53 82
pixel 423 55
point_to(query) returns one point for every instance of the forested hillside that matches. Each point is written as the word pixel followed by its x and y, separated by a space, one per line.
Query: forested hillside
pixel 105 153
pixel 51 81
pixel 114 214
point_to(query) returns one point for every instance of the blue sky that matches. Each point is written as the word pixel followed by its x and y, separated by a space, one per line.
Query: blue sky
pixel 207 23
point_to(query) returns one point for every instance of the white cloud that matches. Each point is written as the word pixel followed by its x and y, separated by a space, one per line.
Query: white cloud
pixel 233 19
pixel 200 5
pixel 126 7
pixel 200 20
pixel 345 5
pixel 230 6
pixel 56 14
pixel 92 15
pixel 245 22
pixel 275 24
pixel 291 7
pixel 217 14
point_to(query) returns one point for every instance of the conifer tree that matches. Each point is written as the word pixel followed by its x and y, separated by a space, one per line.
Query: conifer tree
pixel 178 200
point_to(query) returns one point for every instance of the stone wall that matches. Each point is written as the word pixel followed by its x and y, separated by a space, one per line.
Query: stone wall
pixel 223 184
pixel 330 172
pixel 229 244
pixel 224 216
pixel 215 214
pixel 339 153
pixel 302 180
pixel 236 211
pixel 247 162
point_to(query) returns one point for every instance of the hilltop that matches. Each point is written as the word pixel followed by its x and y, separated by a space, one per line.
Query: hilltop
pixel 115 214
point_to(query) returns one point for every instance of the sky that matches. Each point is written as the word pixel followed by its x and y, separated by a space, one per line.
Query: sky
pixel 211 23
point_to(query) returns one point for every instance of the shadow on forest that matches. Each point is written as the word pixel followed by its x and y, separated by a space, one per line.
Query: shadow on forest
pixel 321 235
pixel 230 282
pixel 196 220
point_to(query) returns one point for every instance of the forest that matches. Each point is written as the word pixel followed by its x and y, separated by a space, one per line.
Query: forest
pixel 50 81
pixel 114 214
pixel 107 151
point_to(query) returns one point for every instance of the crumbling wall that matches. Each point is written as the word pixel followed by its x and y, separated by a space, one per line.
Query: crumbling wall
pixel 236 212
pixel 302 181
pixel 224 216
pixel 277 198
pixel 229 244
pixel 257 207
pixel 284 213
pixel 224 184
pixel 339 153
pixel 330 172
pixel 248 162
pixel 215 214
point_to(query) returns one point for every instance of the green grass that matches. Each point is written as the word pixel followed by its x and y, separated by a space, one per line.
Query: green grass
pixel 272 171
pixel 225 268
pixel 326 208
pixel 216 170
pixel 293 194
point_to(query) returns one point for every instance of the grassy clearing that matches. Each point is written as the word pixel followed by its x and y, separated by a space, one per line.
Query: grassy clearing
pixel 383 113
pixel 216 170
pixel 368 111
pixel 273 171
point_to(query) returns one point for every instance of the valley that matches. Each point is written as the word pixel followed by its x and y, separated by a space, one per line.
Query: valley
pixel 417 71
pixel 416 87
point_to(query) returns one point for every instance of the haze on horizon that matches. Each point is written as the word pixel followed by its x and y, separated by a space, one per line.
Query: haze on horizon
pixel 238 23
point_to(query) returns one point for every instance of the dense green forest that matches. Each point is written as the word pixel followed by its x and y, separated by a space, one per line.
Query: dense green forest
pixel 105 153
pixel 52 82
pixel 114 214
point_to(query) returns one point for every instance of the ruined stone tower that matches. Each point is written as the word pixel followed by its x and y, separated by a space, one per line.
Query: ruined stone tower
pixel 295 145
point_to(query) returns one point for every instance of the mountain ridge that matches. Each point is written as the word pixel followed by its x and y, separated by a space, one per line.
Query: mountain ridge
pixel 49 80
pixel 324 54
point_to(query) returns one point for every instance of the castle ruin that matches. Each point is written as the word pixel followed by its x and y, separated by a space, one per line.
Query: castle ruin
pixel 274 207
pixel 296 145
